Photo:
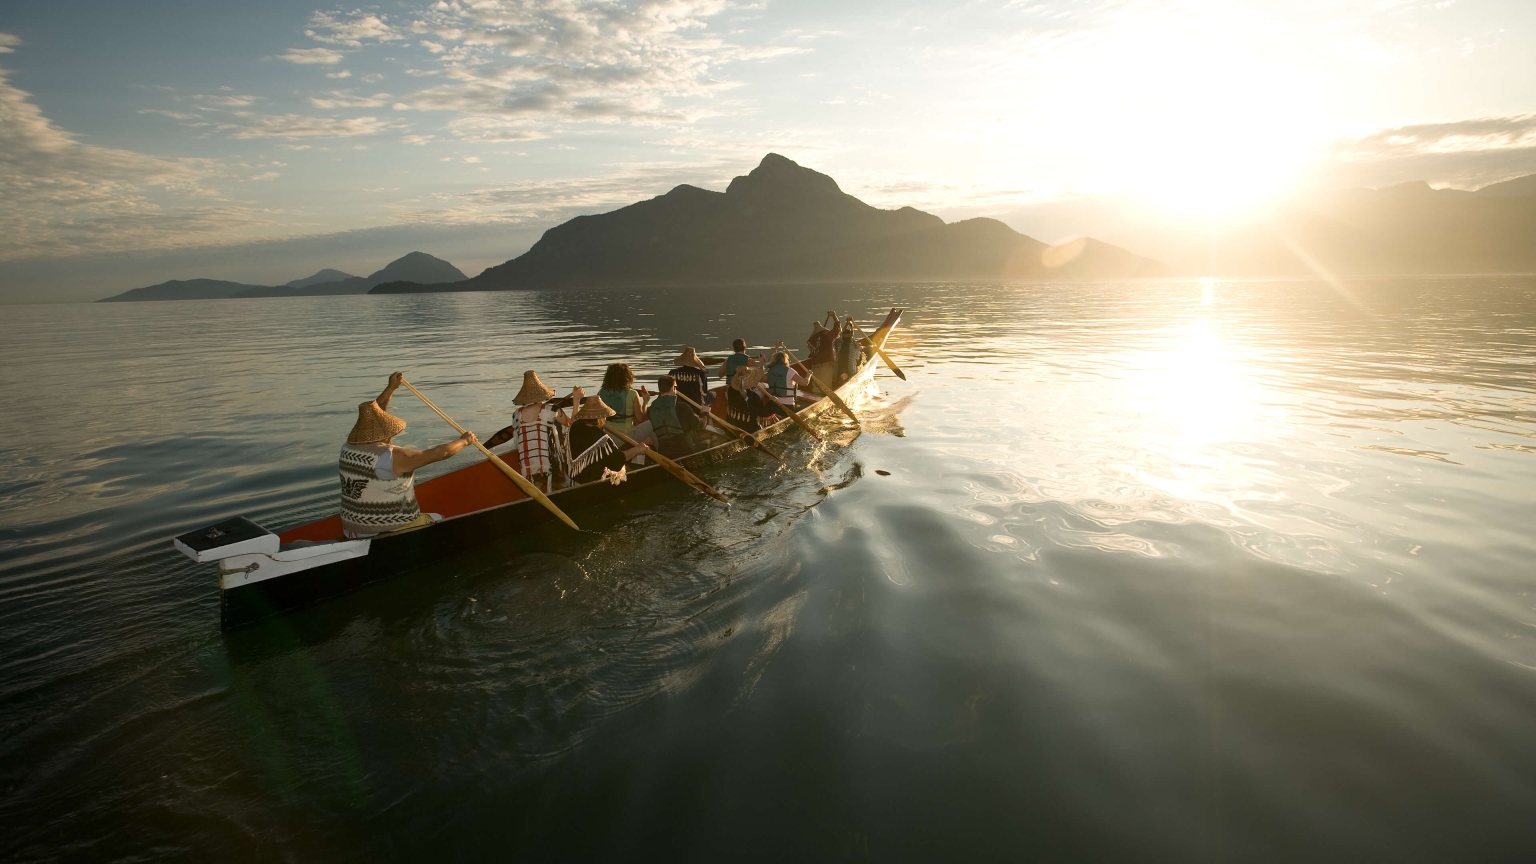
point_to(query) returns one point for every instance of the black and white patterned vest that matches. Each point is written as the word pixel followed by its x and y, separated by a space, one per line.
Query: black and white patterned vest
pixel 370 505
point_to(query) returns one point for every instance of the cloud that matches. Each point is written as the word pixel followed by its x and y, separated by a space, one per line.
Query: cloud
pixel 1463 153
pixel 348 99
pixel 8 43
pixel 1463 136
pixel 300 126
pixel 532 63
pixel 333 29
pixel 311 56
pixel 63 197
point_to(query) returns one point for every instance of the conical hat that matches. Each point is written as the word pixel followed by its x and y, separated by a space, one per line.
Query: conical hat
pixel 374 424
pixel 689 357
pixel 747 377
pixel 817 327
pixel 594 408
pixel 534 391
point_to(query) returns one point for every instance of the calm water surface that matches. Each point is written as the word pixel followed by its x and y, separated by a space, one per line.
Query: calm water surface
pixel 1159 571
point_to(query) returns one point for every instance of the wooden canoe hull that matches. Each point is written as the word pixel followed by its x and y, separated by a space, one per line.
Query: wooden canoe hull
pixel 392 554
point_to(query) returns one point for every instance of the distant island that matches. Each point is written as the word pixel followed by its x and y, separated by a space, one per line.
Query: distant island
pixel 783 223
pixel 417 267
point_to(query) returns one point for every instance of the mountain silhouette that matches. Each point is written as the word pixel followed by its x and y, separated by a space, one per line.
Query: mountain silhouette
pixel 182 289
pixel 1407 229
pixel 326 275
pixel 416 267
pixel 419 267
pixel 781 221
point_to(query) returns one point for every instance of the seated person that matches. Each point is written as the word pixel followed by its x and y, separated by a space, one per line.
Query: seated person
pixel 746 406
pixel 537 430
pixel 377 478
pixel 674 423
pixel 737 359
pixel 589 448
pixel 629 405
pixel 783 381
pixel 691 376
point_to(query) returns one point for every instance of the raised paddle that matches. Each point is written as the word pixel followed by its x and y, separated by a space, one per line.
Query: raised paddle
pixel 751 439
pixel 677 470
pixel 522 482
pixel 831 394
pixel 891 364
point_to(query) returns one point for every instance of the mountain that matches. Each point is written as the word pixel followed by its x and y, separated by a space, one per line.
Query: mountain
pixel 983 249
pixel 182 289
pixel 326 275
pixel 1520 187
pixel 781 221
pixel 415 267
pixel 1408 229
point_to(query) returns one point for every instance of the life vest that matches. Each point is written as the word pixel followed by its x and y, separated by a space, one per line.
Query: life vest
pixel 370 505
pixel 664 420
pixel 778 384
pixel 734 362
pixel 619 400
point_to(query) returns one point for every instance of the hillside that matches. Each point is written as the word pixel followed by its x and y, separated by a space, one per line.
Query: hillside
pixel 1408 229
pixel 781 221
pixel 182 289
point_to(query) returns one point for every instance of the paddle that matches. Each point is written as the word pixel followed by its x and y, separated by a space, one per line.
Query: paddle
pixel 751 439
pixel 522 482
pixel 831 394
pixel 768 394
pixel 677 470
pixel 891 364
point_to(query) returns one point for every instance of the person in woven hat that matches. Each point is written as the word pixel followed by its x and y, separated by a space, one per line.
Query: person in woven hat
pixel 691 376
pixel 537 429
pixel 589 449
pixel 377 478
pixel 746 406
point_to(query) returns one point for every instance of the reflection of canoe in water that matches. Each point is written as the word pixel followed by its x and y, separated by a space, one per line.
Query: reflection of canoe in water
pixel 261 573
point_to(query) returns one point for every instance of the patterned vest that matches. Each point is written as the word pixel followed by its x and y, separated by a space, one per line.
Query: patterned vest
pixel 664 420
pixel 370 505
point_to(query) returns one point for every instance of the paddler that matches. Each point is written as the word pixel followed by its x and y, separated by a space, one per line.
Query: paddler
pixel 822 349
pixel 691 376
pixel 738 359
pixel 589 450
pixel 537 430
pixel 746 405
pixel 629 405
pixel 377 478
pixel 782 379
pixel 674 422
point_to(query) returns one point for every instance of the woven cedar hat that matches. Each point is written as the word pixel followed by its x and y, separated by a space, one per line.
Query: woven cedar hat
pixel 594 408
pixel 374 424
pixel 748 377
pixel 534 391
pixel 817 327
pixel 689 357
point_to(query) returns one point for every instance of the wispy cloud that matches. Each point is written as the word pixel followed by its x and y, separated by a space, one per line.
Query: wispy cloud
pixel 63 197
pixel 300 126
pixel 348 99
pixel 1462 136
pixel 8 43
pixel 311 56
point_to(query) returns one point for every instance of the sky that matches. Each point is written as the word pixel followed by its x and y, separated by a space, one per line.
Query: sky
pixel 259 142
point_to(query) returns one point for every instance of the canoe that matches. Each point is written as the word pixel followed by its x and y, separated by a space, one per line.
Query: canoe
pixel 262 572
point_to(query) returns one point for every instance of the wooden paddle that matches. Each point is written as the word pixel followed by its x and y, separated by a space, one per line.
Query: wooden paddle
pixel 831 393
pixel 677 470
pixel 522 482
pixel 752 439
pixel 768 394
pixel 891 364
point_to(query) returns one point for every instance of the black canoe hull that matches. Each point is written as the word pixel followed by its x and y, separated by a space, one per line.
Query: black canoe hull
pixel 393 554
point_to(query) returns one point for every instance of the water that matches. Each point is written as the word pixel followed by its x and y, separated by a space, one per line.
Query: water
pixel 1158 571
